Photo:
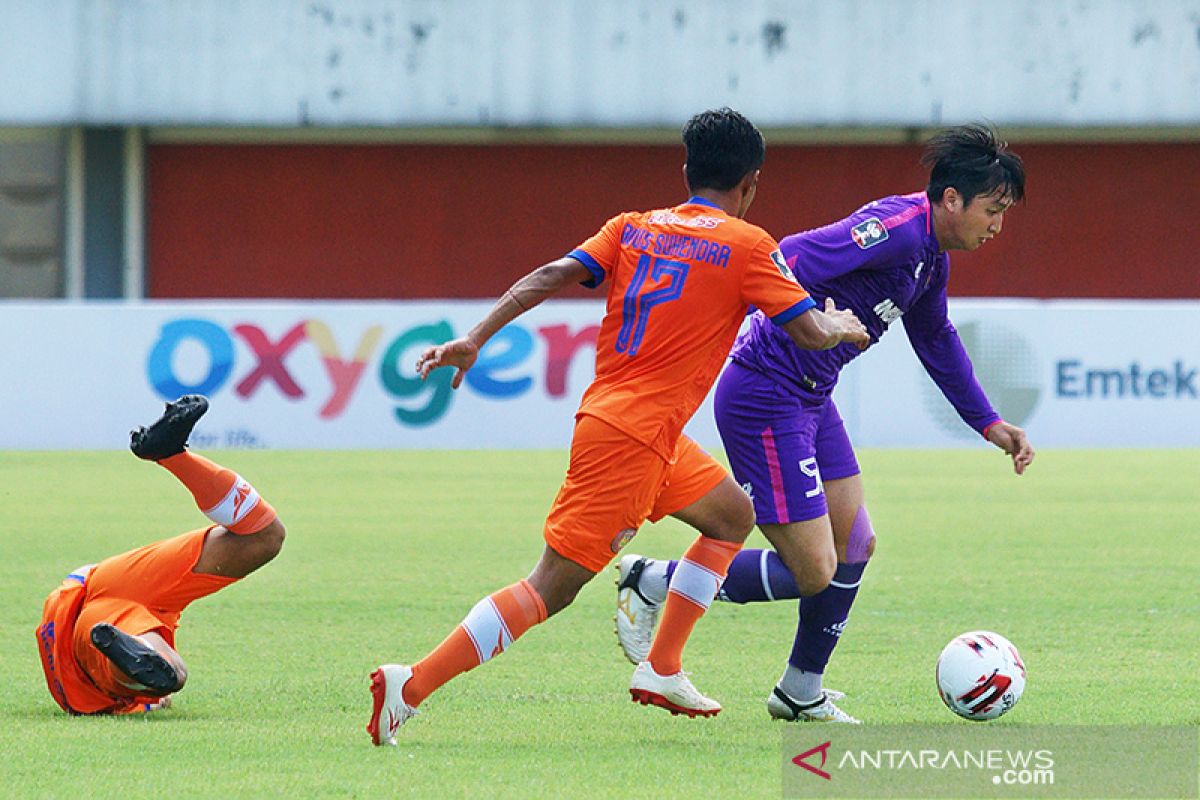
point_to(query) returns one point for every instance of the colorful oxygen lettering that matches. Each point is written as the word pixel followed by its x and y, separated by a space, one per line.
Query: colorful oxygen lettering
pixel 497 375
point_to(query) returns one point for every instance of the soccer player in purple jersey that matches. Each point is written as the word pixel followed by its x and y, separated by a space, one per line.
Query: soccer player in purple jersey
pixel 787 444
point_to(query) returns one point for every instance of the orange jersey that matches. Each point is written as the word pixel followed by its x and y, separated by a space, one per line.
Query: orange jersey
pixel 680 283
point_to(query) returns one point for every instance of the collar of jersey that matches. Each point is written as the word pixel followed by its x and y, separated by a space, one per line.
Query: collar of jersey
pixel 700 201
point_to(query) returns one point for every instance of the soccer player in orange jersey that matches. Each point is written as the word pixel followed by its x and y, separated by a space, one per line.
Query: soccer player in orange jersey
pixel 680 281
pixel 107 637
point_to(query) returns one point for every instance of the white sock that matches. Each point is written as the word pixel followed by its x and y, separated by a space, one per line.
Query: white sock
pixel 801 686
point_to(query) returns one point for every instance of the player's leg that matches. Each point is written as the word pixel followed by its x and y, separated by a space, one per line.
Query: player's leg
pixel 144 665
pixel 124 632
pixel 770 439
pixel 609 489
pixel 701 493
pixel 496 621
pixel 134 600
pixel 250 533
pixel 490 628
pixel 823 615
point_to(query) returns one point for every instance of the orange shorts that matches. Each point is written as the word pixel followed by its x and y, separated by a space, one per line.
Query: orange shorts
pixel 140 591
pixel 614 484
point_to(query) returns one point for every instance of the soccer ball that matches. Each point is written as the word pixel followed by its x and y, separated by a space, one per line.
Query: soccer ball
pixel 980 675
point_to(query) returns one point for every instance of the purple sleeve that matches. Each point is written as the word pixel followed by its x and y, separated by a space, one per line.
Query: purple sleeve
pixel 941 352
pixel 823 254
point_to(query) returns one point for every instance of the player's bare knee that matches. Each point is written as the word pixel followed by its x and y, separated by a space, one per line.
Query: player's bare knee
pixel 259 548
pixel 745 520
pixel 270 539
pixel 817 574
pixel 737 521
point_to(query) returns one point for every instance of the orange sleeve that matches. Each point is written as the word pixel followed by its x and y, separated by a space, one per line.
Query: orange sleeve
pixel 770 285
pixel 599 253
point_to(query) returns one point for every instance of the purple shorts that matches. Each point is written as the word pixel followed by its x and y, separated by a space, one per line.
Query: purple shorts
pixel 780 446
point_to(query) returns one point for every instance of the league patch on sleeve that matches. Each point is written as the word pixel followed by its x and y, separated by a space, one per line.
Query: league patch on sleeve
pixel 869 233
pixel 781 263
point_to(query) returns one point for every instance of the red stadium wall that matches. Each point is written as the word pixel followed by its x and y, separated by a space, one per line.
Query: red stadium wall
pixel 422 221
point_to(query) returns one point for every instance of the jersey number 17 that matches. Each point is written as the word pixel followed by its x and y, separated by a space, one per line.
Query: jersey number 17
pixel 636 307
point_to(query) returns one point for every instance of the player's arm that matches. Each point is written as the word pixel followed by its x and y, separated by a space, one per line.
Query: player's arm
pixel 940 350
pixel 822 330
pixel 529 291
pixel 771 286
pixel 822 255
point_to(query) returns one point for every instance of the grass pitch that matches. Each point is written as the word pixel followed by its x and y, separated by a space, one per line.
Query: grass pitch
pixel 1088 563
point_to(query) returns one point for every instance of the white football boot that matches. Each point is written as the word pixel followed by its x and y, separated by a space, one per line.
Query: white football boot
pixel 675 693
pixel 636 613
pixel 781 706
pixel 389 711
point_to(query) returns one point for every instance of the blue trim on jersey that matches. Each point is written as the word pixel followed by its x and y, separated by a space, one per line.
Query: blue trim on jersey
pixel 75 576
pixel 700 201
pixel 583 257
pixel 795 311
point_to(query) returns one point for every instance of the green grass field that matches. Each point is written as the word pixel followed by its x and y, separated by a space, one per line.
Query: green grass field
pixel 1088 563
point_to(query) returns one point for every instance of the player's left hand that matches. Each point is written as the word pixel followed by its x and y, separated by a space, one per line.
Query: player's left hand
pixel 1013 441
pixel 459 353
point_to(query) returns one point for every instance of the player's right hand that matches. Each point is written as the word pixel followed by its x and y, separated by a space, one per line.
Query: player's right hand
pixel 850 327
pixel 459 353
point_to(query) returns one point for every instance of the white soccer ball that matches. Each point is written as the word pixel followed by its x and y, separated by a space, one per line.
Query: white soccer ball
pixel 980 675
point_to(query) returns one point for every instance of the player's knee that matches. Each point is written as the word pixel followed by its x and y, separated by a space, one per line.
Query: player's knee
pixel 817 573
pixel 270 540
pixel 738 520
pixel 860 544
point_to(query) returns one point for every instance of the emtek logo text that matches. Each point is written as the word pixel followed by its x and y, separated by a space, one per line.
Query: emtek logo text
pixel 1074 379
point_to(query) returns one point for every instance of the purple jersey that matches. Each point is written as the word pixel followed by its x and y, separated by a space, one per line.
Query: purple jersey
pixel 883 263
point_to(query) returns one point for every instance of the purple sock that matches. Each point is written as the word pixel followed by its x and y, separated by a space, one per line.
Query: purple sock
pixel 755 576
pixel 822 618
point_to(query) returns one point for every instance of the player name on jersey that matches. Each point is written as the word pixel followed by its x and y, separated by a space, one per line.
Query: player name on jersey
pixel 677 245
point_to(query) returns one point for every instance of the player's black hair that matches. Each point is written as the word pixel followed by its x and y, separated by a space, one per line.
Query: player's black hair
pixel 722 148
pixel 975 161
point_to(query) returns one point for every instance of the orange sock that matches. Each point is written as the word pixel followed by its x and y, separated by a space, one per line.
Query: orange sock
pixel 224 496
pixel 493 624
pixel 693 587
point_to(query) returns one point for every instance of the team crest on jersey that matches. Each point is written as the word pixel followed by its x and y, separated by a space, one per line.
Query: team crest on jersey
pixel 623 538
pixel 781 263
pixel 869 233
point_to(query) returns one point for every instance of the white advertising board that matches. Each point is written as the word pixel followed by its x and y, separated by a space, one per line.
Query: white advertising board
pixel 340 375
